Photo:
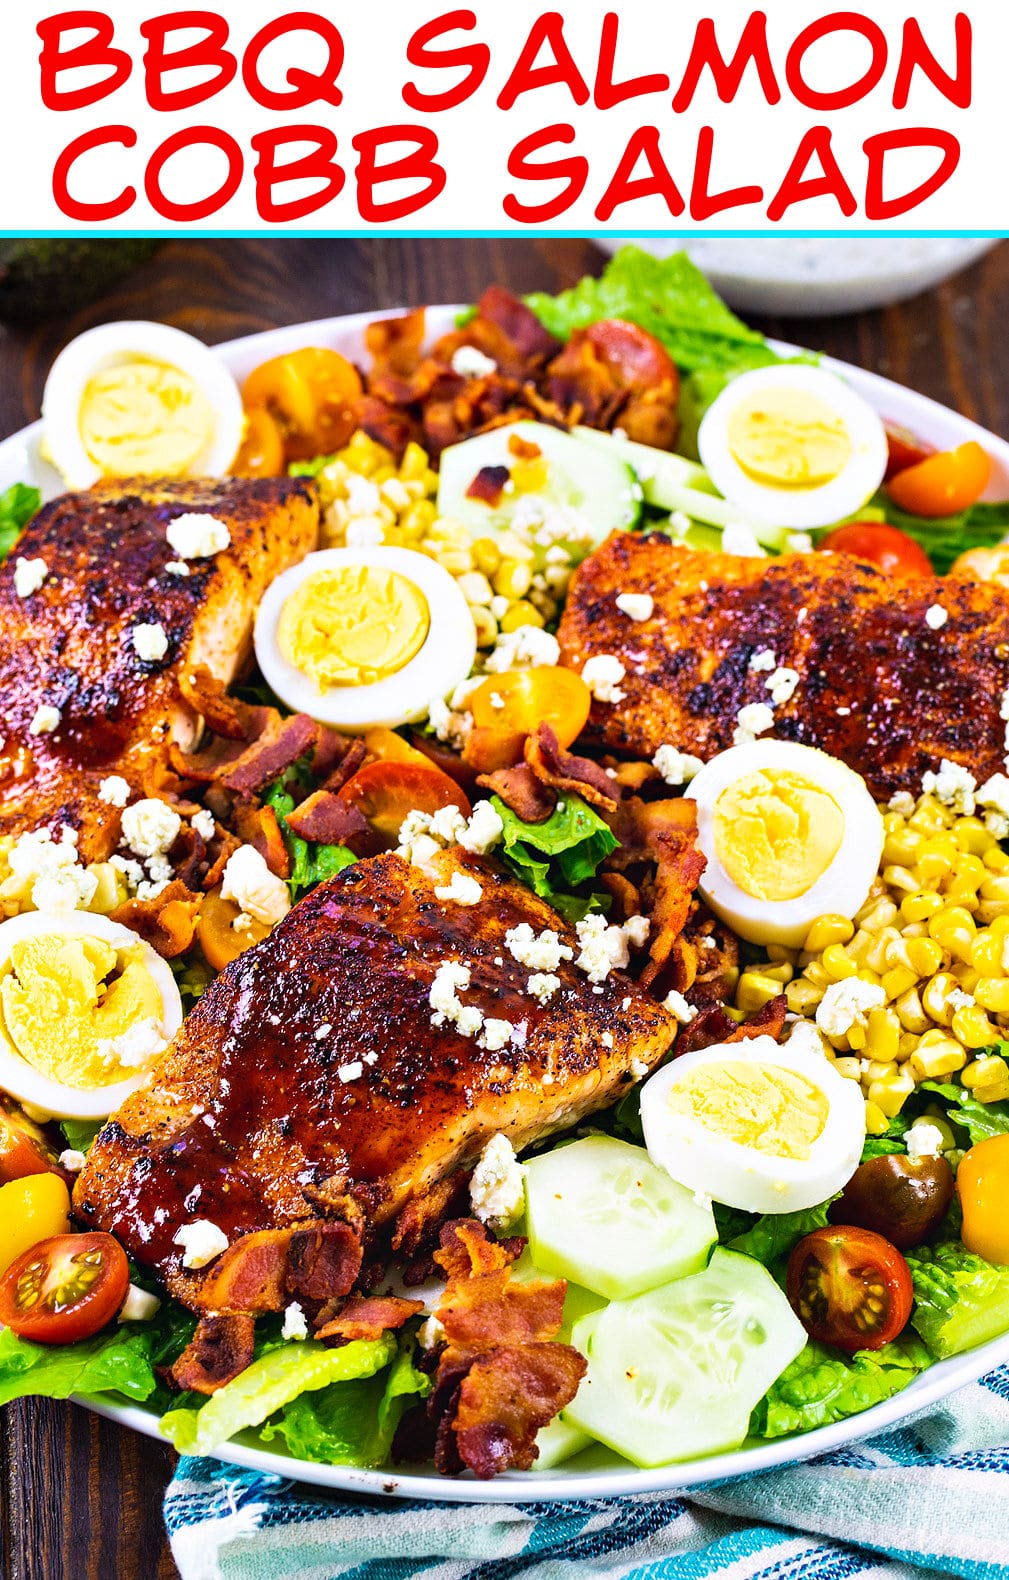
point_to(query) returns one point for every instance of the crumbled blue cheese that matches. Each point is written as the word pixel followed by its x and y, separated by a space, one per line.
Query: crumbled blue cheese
pixel 603 674
pixel 450 977
pixel 677 1005
pixel 196 537
pixel 469 362
pixel 204 824
pixel 139 1306
pixel 539 951
pixel 52 868
pixel 782 685
pixel 150 827
pixel 496 1034
pixel 527 648
pixel 114 791
pixel 295 1324
pixel 923 1140
pixel 29 576
pixel 542 985
pixel 177 568
pixel 636 606
pixel 45 720
pixel 483 830
pixel 454 727
pixel 351 1072
pixel 763 661
pixel 756 718
pixel 738 538
pixel 953 785
pixel 603 948
pixel 936 616
pixel 496 1190
pixel 463 889
pixel 71 1160
pixel 256 890
pixel 201 1242
pixel 135 1046
pixel 846 1004
pixel 903 803
pixel 676 767
pixel 150 642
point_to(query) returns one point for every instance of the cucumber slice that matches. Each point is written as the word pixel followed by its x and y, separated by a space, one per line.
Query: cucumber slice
pixel 602 1214
pixel 675 1374
pixel 671 482
pixel 578 1302
pixel 558 1441
pixel 588 492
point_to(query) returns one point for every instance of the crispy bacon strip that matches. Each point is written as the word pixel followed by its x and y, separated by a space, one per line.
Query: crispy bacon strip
pixel 167 923
pixel 567 773
pixel 522 791
pixel 258 826
pixel 517 322
pixel 488 1308
pixel 250 1275
pixel 466 1249
pixel 324 1260
pixel 223 714
pixel 489 485
pixel 221 1347
pixel 368 1317
pixel 713 1025
pixel 663 833
pixel 281 744
pixel 354 755
pixel 506 1397
pixel 324 819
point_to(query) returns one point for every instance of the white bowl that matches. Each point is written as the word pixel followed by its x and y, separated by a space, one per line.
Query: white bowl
pixel 811 277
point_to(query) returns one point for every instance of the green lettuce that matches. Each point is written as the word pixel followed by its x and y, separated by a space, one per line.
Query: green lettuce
pixel 353 1422
pixel 980 1120
pixel 821 1385
pixel 944 538
pixel 671 299
pixel 80 1133
pixel 310 864
pixel 312 468
pixel 17 506
pixel 892 1139
pixel 120 1360
pixel 959 1299
pixel 271 1383
pixel 774 1236
pixel 559 855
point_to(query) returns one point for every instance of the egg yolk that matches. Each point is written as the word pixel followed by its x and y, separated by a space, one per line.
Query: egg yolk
pixel 353 626
pixel 788 439
pixel 776 834
pixel 765 1107
pixel 141 418
pixel 62 998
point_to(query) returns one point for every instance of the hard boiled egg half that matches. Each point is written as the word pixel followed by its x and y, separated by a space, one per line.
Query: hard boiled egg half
pixel 788 834
pixel 754 1124
pixel 364 636
pixel 140 400
pixel 793 446
pixel 85 1008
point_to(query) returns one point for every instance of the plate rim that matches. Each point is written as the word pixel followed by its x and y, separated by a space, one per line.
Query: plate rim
pixel 897 402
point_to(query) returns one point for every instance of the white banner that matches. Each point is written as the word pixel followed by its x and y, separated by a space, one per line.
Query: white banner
pixel 644 115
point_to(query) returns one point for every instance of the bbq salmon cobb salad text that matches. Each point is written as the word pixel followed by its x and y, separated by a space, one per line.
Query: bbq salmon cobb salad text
pixel 504 889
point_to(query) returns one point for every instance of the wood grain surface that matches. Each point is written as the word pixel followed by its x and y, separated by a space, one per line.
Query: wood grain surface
pixel 80 1499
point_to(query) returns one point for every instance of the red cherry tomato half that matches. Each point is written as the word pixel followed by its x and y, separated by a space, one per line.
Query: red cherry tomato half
pixel 944 484
pixel 904 449
pixel 386 792
pixel 65 1288
pixel 24 1146
pixel 849 1287
pixel 879 544
pixel 631 353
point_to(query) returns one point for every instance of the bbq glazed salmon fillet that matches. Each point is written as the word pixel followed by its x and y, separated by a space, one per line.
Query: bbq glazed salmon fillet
pixel 880 686
pixel 68 645
pixel 316 1077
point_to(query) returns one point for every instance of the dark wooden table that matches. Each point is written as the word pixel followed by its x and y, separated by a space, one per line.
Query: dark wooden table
pixel 81 1499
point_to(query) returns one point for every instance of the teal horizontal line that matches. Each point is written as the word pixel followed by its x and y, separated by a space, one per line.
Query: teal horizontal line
pixel 375 234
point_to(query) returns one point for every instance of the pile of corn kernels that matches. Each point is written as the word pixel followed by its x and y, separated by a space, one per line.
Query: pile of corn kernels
pixel 932 939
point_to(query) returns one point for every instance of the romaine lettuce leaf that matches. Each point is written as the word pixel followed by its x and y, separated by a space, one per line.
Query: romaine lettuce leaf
pixel 558 855
pixel 821 1385
pixel 310 864
pixel 270 1383
pixel 959 1299
pixel 80 1133
pixel 774 1236
pixel 120 1360
pixel 350 1423
pixel 17 506
pixel 980 1120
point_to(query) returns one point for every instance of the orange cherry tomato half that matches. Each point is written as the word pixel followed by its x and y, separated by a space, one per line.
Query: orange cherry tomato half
pixel 877 543
pixel 982 1184
pixel 983 565
pixel 516 702
pixel 904 449
pixel 217 935
pixel 386 792
pixel 65 1288
pixel 849 1287
pixel 944 484
pixel 312 395
pixel 24 1146
pixel 389 747
pixel 262 450
pixel 631 353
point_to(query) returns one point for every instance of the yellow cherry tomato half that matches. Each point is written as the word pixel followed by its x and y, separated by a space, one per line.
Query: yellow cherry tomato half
pixel 982 1184
pixel 31 1209
pixel 516 702
pixel 944 484
pixel 217 935
pixel 983 565
pixel 262 451
pixel 312 395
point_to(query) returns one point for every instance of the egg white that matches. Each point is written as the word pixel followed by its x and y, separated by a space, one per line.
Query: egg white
pixel 840 890
pixel 798 508
pixel 108 344
pixel 444 660
pixel 24 1082
pixel 741 1176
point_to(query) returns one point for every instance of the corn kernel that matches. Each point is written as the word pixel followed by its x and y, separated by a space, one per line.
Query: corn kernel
pixel 996 888
pixel 996 859
pixel 548 607
pixel 990 911
pixel 111 890
pixel 419 517
pixel 984 1071
pixel 954 929
pixel 875 957
pixel 486 555
pixel 936 1117
pixel 519 614
pixel 902 847
pixel 883 1038
pixel 986 954
pixel 827 930
pixel 919 907
pixel 910 1012
pixel 860 945
pixel 755 990
pixel 876 913
pixel 414 462
pixel 848 1066
pixel 512 579
pixel 802 996
pixel 880 1069
pixel 897 981
pixel 891 1093
pixel 779 973
pixel 876 1122
pixel 856 1037
pixel 475 588
pixel 837 963
pixel 971 835
pixel 814 972
pixel 972 1026
pixel 924 955
pixel 456 561
pixel 779 955
pixel 486 627
pixel 935 994
pixel 993 993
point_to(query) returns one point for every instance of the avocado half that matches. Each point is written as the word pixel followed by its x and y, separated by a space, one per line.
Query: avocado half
pixel 42 277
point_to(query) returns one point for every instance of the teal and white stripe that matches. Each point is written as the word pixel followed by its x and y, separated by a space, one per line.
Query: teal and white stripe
pixel 930 1499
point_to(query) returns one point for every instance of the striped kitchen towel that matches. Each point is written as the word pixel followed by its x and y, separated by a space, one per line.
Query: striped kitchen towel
pixel 928 1499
